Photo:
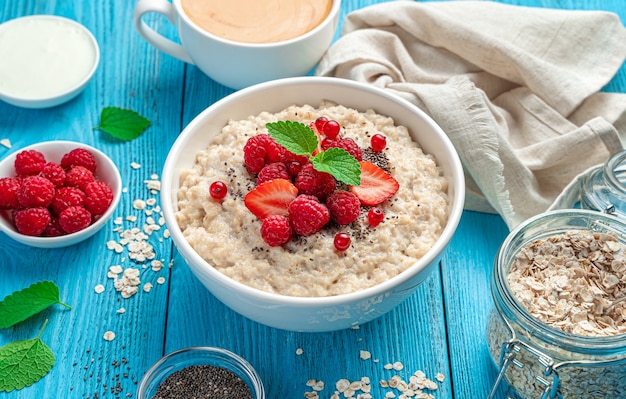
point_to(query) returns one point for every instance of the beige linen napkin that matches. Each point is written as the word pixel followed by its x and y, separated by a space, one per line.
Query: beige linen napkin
pixel 515 88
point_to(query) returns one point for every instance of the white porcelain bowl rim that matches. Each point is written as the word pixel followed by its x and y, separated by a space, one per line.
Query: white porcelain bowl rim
pixel 66 95
pixel 73 238
pixel 187 251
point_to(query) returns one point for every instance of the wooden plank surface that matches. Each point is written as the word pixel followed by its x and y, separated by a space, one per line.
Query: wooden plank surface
pixel 439 329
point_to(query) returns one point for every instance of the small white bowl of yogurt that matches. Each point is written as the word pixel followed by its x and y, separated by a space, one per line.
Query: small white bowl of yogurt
pixel 47 60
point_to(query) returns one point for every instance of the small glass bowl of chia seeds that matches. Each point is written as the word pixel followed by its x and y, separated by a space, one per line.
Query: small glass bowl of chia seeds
pixel 203 372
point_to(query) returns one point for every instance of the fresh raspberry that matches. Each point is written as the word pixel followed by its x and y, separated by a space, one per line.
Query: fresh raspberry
pixel 32 221
pixel 65 197
pixel 347 144
pixel 79 176
pixel 275 170
pixel 308 215
pixel 293 168
pixel 79 157
pixel 55 173
pixel 53 229
pixel 344 207
pixel 260 150
pixel 99 197
pixel 289 157
pixel 35 191
pixel 312 182
pixel 29 162
pixel 9 187
pixel 74 218
pixel 276 230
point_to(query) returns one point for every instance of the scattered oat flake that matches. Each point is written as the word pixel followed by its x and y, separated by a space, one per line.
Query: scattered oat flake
pixel 117 269
pixel 109 336
pixel 121 310
pixel 153 185
pixel 147 287
pixel 139 204
pixel 440 377
pixel 364 355
pixel 135 165
pixel 299 351
pixel 398 366
pixel 6 143
pixel 342 384
pixel 160 280
pixel 99 289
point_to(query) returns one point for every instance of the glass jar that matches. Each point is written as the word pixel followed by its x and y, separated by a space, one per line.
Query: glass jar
pixel 604 187
pixel 539 361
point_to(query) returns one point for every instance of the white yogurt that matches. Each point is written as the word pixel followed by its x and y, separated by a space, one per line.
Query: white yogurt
pixel 44 56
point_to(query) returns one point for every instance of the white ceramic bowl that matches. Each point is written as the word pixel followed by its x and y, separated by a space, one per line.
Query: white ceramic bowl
pixel 46 60
pixel 320 313
pixel 106 171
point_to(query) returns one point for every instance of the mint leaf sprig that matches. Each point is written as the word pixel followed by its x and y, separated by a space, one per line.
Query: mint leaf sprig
pixel 27 302
pixel 24 362
pixel 123 124
pixel 300 139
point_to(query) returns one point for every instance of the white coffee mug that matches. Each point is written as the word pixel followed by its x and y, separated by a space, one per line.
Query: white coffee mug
pixel 236 64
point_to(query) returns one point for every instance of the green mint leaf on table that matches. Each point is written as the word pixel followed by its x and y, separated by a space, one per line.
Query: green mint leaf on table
pixel 294 136
pixel 339 163
pixel 23 304
pixel 22 363
pixel 301 140
pixel 123 124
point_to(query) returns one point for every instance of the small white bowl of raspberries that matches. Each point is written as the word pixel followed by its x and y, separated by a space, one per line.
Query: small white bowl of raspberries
pixel 57 193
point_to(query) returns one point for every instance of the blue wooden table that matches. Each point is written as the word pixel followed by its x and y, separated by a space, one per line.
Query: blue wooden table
pixel 439 329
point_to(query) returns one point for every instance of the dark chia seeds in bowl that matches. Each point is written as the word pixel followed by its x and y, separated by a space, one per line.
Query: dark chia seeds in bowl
pixel 201 372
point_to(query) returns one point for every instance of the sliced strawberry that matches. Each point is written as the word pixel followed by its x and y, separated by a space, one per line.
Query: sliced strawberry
pixel 376 185
pixel 320 137
pixel 271 198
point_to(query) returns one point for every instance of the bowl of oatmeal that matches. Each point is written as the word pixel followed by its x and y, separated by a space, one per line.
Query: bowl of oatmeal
pixel 313 281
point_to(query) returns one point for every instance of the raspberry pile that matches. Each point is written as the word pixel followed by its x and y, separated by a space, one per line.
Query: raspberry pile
pixel 50 199
pixel 292 198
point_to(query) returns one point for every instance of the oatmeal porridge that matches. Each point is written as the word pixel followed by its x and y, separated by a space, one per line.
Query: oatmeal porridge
pixel 227 234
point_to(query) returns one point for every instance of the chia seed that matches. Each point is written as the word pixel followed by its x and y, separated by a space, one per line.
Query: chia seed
pixel 203 382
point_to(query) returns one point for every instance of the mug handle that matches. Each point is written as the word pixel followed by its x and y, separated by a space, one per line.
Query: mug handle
pixel 166 9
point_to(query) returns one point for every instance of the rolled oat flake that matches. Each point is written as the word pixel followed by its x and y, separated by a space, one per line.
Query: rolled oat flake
pixel 203 382
pixel 557 330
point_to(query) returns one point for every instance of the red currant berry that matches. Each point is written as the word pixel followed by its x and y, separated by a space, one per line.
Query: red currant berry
pixel 375 216
pixel 331 129
pixel 320 122
pixel 379 142
pixel 342 241
pixel 218 190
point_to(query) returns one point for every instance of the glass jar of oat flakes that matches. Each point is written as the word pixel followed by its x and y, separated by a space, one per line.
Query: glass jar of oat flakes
pixel 558 328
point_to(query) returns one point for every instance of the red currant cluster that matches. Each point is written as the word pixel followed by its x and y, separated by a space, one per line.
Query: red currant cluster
pixel 51 199
pixel 292 197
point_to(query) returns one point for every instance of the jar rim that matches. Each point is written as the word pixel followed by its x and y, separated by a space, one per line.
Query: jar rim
pixel 506 302
pixel 609 169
